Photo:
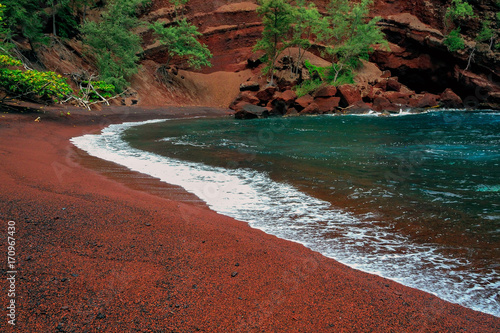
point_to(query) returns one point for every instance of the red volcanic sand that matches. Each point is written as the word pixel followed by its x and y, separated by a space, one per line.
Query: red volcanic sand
pixel 95 255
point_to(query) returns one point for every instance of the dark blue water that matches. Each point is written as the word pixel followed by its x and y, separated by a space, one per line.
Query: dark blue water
pixel 415 198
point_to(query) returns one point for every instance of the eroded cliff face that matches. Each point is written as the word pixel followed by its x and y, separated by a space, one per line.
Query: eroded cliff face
pixel 415 30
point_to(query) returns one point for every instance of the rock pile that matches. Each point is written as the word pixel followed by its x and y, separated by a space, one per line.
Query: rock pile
pixel 383 94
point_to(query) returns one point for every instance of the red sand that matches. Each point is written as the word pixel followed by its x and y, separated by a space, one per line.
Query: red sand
pixel 97 256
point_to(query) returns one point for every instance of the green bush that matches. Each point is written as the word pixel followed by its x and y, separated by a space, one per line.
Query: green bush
pixel 102 88
pixel 307 87
pixel 47 86
pixel 454 41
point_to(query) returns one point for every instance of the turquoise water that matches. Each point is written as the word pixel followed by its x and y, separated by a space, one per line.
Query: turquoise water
pixel 414 198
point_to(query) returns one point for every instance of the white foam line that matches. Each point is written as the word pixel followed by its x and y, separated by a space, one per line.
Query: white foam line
pixel 281 210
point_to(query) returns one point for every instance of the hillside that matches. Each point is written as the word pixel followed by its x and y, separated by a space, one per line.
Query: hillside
pixel 417 57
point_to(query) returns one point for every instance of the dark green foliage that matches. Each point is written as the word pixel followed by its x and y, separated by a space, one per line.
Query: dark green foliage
pixel 180 39
pixel 97 90
pixel 16 83
pixel 307 87
pixel 486 33
pixel 454 41
pixel 24 17
pixel 113 43
pixel 277 18
pixel 350 35
pixel 459 10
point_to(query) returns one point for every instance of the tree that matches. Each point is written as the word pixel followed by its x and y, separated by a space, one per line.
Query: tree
pixel 350 35
pixel 277 18
pixel 25 17
pixel 180 38
pixel 307 25
pixel 113 42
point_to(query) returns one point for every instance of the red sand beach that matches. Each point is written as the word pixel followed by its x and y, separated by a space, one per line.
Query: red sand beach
pixel 96 255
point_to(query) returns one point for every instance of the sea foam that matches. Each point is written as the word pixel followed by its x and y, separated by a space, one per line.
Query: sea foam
pixel 282 210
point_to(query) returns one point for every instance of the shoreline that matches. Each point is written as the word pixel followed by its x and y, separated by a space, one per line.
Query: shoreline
pixel 96 254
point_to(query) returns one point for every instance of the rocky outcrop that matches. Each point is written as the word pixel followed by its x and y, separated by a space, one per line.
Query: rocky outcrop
pixel 417 63
pixel 374 91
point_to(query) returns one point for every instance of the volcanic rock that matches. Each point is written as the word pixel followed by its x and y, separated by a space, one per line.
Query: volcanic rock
pixel 302 102
pixel 250 86
pixel 326 91
pixel 327 104
pixel 450 100
pixel 349 94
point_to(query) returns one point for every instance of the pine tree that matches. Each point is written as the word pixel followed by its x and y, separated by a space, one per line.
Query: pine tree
pixel 180 38
pixel 113 43
pixel 277 18
pixel 350 35
pixel 25 17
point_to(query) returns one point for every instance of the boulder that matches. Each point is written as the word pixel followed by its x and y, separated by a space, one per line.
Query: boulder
pixel 326 91
pixel 393 84
pixel 383 104
pixel 287 96
pixel 327 104
pixel 244 96
pixel 302 102
pixel 250 86
pixel 266 94
pixel 255 59
pixel 382 84
pixel 292 112
pixel 279 107
pixel 250 111
pixel 427 100
pixel 396 97
pixel 386 74
pixel 451 100
pixel 243 114
pixel 349 94
pixel 311 109
pixel 359 107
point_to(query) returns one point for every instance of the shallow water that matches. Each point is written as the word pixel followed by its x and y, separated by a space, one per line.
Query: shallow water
pixel 414 198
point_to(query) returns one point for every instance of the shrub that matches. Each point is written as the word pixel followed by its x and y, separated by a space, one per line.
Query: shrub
pixel 454 41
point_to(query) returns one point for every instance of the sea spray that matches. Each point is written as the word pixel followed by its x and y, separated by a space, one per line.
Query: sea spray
pixel 283 210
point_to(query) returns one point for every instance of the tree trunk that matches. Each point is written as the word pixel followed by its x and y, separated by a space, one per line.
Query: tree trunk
pixel 54 18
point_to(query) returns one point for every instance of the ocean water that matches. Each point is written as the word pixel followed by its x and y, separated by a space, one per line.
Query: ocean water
pixel 413 198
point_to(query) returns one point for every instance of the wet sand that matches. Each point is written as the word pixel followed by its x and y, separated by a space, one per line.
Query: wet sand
pixel 96 254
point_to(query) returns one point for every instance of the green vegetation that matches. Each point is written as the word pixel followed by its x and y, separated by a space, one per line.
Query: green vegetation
pixel 96 91
pixel 350 35
pixel 113 43
pixel 17 83
pixel 346 31
pixel 24 17
pixel 181 40
pixel 454 41
pixel 456 14
pixel 459 10
pixel 277 18
pixel 308 86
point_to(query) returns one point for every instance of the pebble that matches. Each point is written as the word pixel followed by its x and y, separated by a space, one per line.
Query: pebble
pixel 233 274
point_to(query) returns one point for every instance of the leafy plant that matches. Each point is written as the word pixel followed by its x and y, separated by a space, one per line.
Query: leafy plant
pixel 454 41
pixel 16 83
pixel 113 42
pixel 277 18
pixel 25 18
pixel 459 9
pixel 97 90
pixel 181 40
pixel 350 35
pixel 307 87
